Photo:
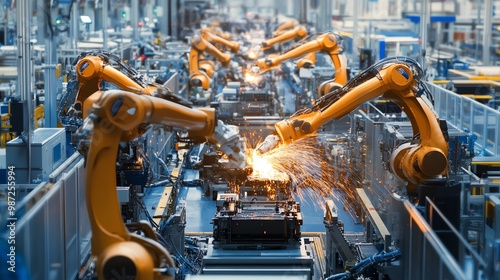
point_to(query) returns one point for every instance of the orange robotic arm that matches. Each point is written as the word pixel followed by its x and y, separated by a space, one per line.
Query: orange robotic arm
pixel 121 116
pixel 325 43
pixel 285 26
pixel 308 61
pixel 93 69
pixel 395 80
pixel 197 77
pixel 215 29
pixel 299 31
pixel 206 34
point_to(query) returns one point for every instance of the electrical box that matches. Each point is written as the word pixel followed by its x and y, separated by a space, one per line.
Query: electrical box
pixel 123 194
pixel 491 252
pixel 48 151
pixel 4 108
pixel 19 117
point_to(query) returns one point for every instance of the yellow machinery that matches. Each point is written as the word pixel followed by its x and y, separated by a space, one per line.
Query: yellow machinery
pixel 218 41
pixel 39 114
pixel 323 43
pixel 92 68
pixel 308 61
pixel 221 44
pixel 199 78
pixel 298 32
pixel 215 29
pixel 284 27
pixel 5 130
pixel 115 116
pixel 6 133
pixel 397 80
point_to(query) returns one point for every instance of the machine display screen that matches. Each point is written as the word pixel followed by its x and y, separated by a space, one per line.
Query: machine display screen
pixel 57 153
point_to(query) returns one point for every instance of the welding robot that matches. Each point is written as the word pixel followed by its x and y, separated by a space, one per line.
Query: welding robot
pixel 199 78
pixel 327 43
pixel 400 80
pixel 212 44
pixel 298 32
pixel 285 26
pixel 219 41
pixel 115 116
pixel 93 68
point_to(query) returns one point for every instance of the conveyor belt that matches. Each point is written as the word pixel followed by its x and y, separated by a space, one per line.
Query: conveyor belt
pixel 320 254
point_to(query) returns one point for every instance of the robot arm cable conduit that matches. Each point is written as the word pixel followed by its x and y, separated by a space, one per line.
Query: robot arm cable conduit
pixel 399 80
pixel 117 116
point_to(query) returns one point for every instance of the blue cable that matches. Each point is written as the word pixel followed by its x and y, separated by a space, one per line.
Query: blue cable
pixel 366 263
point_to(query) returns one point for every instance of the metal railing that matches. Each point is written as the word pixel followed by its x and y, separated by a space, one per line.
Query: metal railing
pixel 478 264
pixel 53 234
pixel 469 115
pixel 425 254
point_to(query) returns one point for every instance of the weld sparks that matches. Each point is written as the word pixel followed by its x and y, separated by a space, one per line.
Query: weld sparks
pixel 305 162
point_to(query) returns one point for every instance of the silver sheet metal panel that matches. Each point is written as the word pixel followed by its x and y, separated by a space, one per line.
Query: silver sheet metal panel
pixel 48 152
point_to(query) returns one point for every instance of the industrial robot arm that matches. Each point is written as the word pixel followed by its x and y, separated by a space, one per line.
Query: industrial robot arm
pixel 308 61
pixel 398 80
pixel 207 34
pixel 299 31
pixel 215 29
pixel 200 45
pixel 96 67
pixel 121 116
pixel 323 43
pixel 285 26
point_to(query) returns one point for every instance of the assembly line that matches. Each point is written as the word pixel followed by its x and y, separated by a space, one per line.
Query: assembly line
pixel 218 139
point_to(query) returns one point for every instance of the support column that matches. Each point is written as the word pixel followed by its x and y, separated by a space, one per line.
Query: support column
pixel 424 25
pixel 104 25
pixel 50 84
pixel 302 11
pixel 25 84
pixel 74 26
pixel 134 19
pixel 355 33
pixel 164 17
pixel 488 10
pixel 325 14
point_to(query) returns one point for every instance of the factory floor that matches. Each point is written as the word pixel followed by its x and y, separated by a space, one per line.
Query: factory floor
pixel 200 210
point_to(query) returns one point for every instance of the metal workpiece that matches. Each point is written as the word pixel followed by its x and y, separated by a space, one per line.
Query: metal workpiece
pixel 248 222
pixel 291 262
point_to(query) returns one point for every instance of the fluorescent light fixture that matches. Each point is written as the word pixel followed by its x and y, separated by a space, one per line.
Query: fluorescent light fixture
pixel 86 19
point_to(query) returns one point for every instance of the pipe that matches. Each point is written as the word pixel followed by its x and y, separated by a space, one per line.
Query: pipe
pixel 74 30
pixel 6 25
pixel 355 31
pixel 164 17
pixel 24 82
pixel 303 12
pixel 105 24
pixel 49 74
pixel 325 16
pixel 134 19
pixel 424 22
pixel 488 8
pixel 162 163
